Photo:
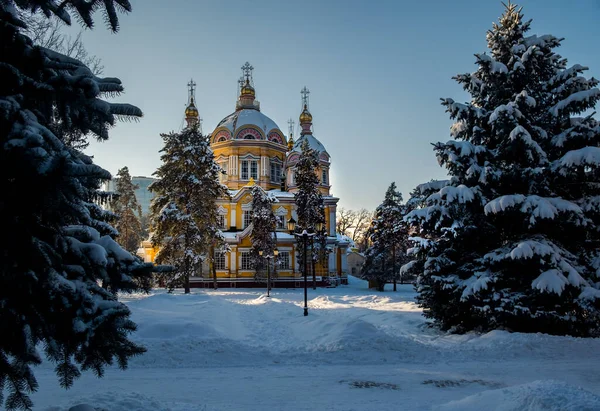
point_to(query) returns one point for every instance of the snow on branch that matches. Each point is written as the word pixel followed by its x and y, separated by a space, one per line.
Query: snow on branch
pixel 550 281
pixel 587 156
pixel 495 66
pixel 477 282
pixel 509 109
pixel 536 206
pixel 519 132
pixel 450 194
pixel 579 97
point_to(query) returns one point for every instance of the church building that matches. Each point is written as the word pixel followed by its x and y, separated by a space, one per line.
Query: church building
pixel 253 150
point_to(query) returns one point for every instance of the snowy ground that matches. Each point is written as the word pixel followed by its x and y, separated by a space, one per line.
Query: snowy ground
pixel 357 350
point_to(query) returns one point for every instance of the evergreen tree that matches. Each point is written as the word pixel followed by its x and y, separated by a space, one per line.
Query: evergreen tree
pixel 60 268
pixel 128 212
pixel 388 237
pixel 184 211
pixel 308 198
pixel 512 241
pixel 264 224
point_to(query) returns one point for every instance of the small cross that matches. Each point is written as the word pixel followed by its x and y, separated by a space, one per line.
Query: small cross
pixel 305 92
pixel 247 70
pixel 192 86
pixel 291 126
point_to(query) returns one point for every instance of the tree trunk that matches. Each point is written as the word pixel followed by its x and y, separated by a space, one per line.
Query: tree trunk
pixel 314 273
pixel 187 283
pixel 213 267
pixel 394 266
pixel 381 283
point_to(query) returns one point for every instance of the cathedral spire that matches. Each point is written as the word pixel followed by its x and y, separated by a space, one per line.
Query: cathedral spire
pixel 191 112
pixel 247 97
pixel 291 133
pixel 305 116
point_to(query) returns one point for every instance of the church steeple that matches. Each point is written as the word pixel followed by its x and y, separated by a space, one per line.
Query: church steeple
pixel 247 97
pixel 290 144
pixel 305 116
pixel 191 112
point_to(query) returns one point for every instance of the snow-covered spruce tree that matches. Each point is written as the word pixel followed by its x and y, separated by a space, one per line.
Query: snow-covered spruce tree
pixel 184 211
pixel 60 268
pixel 309 200
pixel 418 242
pixel 388 236
pixel 263 235
pixel 515 233
pixel 128 212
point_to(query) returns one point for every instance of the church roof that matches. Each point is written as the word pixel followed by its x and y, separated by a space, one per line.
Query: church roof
pixel 248 117
pixel 313 143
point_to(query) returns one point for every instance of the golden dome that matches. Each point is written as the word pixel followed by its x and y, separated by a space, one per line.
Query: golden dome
pixel 290 143
pixel 191 110
pixel 247 89
pixel 305 116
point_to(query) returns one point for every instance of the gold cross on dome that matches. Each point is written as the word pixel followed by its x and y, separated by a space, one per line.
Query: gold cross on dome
pixel 291 126
pixel 192 87
pixel 247 70
pixel 305 92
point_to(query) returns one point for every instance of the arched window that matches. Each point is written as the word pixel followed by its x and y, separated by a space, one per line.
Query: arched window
pixel 221 139
pixel 249 137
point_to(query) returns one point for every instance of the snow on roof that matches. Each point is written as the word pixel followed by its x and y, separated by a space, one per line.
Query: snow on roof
pixel 312 143
pixel 241 118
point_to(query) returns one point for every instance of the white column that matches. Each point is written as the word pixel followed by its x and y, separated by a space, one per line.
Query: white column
pixel 233 165
pixel 332 221
pixel 233 260
pixel 264 161
pixel 332 261
pixel 344 261
pixel 232 214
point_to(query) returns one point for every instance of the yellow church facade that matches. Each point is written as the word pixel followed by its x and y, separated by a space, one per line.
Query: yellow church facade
pixel 252 150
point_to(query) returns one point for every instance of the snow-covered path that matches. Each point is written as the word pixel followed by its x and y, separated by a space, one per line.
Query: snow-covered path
pixel 357 350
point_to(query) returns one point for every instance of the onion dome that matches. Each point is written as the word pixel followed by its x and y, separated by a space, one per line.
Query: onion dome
pixel 290 144
pixel 191 110
pixel 247 89
pixel 305 116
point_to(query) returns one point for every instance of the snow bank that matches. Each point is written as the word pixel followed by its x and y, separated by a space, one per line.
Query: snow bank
pixel 129 401
pixel 546 395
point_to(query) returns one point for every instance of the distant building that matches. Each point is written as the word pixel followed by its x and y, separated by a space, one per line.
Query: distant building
pixel 142 194
pixel 355 262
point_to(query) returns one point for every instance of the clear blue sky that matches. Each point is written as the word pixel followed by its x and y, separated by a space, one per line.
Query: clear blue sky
pixel 376 71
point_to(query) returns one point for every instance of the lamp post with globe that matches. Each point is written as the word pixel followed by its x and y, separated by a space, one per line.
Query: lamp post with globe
pixel 305 236
pixel 268 257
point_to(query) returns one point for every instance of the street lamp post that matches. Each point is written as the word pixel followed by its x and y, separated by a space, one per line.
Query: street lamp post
pixel 268 257
pixel 304 235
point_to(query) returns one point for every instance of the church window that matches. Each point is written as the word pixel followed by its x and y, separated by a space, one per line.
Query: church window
pixel 275 172
pixel 281 225
pixel 246 263
pixel 220 261
pixel 249 137
pixel 249 169
pixel 284 260
pixel 324 176
pixel 247 218
pixel 221 139
pixel 223 177
pixel 221 221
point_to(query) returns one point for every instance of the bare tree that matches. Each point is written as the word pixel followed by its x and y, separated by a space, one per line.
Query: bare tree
pixel 49 33
pixel 344 221
pixel 362 220
pixel 354 224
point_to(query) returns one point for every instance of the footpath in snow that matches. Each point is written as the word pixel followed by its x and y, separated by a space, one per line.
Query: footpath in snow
pixel 357 350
